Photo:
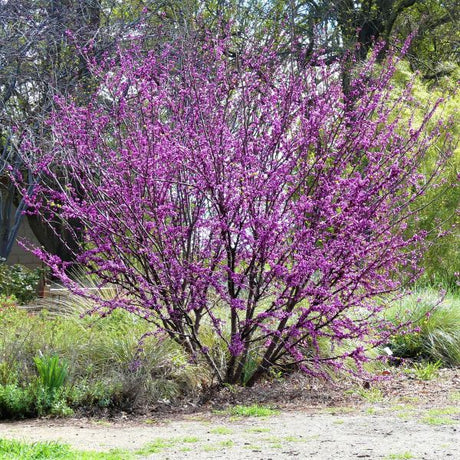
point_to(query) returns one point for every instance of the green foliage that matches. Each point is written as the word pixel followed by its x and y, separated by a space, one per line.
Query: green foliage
pixel 12 449
pixel 154 447
pixel 252 411
pixel 404 455
pixel 53 373
pixel 7 301
pixel 426 370
pixel 437 211
pixel 372 395
pixel 15 401
pixel 434 49
pixel 18 281
pixel 436 335
pixel 89 363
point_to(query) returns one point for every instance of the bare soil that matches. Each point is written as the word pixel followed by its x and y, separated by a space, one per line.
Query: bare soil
pixel 401 417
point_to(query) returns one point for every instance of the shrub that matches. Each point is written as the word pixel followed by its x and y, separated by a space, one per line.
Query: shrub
pixel 242 195
pixel 52 365
pixel 436 328
pixel 16 402
pixel 19 281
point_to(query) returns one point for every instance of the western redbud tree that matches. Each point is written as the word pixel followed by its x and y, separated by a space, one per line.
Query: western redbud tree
pixel 243 194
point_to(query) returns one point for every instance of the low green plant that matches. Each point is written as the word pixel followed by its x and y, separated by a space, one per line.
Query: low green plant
pixel 16 402
pixel 435 335
pixel 53 372
pixel 252 411
pixel 449 410
pixel 221 430
pixel 52 364
pixel 227 443
pixel 7 301
pixel 371 395
pixel 13 450
pixel 426 370
pixel 19 281
pixel 403 456
pixel 155 446
pixel 436 420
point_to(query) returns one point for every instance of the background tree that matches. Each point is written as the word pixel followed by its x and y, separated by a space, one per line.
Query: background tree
pixel 40 58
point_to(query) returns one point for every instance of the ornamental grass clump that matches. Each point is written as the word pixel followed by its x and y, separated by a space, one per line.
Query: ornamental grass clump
pixel 226 190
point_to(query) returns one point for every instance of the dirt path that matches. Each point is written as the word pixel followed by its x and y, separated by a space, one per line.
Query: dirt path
pixel 403 418
pixel 368 433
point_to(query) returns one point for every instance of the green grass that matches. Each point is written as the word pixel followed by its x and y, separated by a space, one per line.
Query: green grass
pixel 371 395
pixel 54 364
pixel 227 443
pixel 293 439
pixel 251 411
pixel 437 339
pixel 158 445
pixel 404 411
pixel 221 430
pixel 433 420
pixel 155 446
pixel 439 416
pixel 403 456
pixel 449 410
pixel 426 370
pixel 14 450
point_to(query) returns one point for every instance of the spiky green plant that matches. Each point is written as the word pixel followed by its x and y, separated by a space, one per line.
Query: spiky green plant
pixel 436 324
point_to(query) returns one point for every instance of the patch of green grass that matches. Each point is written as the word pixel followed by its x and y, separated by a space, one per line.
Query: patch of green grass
pixel 433 420
pixel 252 411
pixel 293 439
pixel 158 445
pixel 227 443
pixel 404 411
pixel 403 407
pixel 210 448
pixel 253 447
pixel 449 410
pixel 405 415
pixel 13 450
pixel 155 446
pixel 371 395
pixel 425 370
pixel 271 439
pixel 221 430
pixel 403 456
pixel 190 439
pixel 339 410
pixel 455 396
pixel 339 422
pixel 409 399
